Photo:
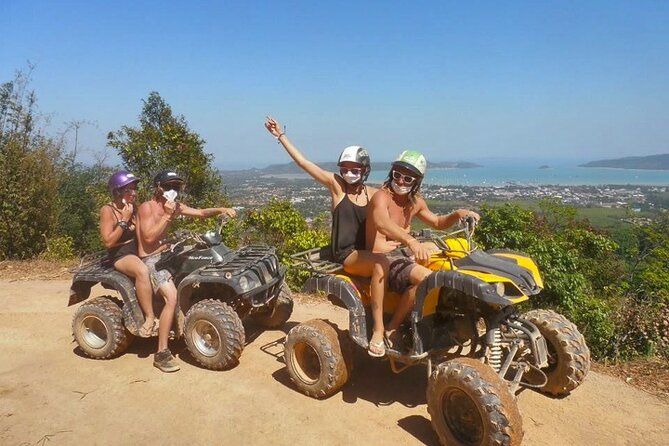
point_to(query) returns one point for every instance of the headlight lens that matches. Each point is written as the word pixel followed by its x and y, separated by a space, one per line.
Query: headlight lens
pixel 248 282
pixel 499 288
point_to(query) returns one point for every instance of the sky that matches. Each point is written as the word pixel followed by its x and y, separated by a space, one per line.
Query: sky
pixel 459 81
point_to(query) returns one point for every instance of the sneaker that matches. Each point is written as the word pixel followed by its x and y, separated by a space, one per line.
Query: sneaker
pixel 165 361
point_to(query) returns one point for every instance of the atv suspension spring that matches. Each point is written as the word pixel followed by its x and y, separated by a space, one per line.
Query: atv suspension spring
pixel 495 356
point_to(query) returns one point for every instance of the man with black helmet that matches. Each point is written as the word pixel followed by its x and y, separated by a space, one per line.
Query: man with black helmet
pixel 155 217
pixel 389 223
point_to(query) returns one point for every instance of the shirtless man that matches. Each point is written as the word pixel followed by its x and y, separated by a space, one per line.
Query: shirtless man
pixel 155 216
pixel 389 223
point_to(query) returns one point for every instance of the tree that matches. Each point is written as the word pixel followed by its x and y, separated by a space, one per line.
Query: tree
pixel 164 141
pixel 29 186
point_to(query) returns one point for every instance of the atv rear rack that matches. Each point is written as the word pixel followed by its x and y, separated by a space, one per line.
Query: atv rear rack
pixel 316 260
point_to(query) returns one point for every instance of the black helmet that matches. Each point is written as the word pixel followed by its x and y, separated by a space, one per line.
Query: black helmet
pixel 167 176
pixel 358 155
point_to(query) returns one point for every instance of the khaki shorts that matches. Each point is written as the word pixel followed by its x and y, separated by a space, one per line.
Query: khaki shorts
pixel 158 277
pixel 399 272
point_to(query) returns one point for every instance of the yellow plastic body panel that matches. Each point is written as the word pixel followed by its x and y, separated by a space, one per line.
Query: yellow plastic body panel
pixel 526 263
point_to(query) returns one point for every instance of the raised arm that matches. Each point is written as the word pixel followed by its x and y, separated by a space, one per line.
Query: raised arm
pixel 321 175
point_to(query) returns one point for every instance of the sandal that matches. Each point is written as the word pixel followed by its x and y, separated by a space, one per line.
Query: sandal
pixel 376 349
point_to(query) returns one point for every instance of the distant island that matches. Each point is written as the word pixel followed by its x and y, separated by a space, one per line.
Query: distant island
pixel 651 162
pixel 292 168
pixel 544 166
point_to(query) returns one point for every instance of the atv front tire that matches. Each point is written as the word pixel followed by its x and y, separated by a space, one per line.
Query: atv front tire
pixel 568 354
pixel 317 362
pixel 214 334
pixel 97 326
pixel 469 404
pixel 279 313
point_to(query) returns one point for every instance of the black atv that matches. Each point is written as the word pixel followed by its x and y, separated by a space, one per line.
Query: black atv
pixel 217 288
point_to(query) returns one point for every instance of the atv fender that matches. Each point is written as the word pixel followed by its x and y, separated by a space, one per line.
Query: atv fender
pixel 110 279
pixel 346 292
pixel 469 285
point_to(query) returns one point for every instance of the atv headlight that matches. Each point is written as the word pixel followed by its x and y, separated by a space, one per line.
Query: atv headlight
pixel 499 287
pixel 248 282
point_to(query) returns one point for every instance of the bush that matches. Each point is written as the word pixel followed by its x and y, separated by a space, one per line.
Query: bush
pixel 58 248
pixel 584 278
pixel 280 225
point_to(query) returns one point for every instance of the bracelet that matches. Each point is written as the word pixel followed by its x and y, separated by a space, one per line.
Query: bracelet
pixel 280 135
pixel 123 224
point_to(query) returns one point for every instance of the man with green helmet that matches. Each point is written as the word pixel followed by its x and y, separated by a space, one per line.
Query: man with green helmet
pixel 389 224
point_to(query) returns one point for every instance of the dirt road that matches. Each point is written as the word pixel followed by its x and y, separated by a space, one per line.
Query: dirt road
pixel 49 394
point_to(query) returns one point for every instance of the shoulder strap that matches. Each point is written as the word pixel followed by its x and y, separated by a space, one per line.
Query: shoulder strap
pixel 114 211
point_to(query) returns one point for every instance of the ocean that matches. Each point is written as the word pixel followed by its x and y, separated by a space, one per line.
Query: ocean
pixel 522 174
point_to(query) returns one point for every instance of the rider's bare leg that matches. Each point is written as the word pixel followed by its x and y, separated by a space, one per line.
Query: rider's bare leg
pixel 368 264
pixel 416 276
pixel 133 266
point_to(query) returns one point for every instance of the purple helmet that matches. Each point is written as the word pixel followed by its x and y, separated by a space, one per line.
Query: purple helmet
pixel 121 179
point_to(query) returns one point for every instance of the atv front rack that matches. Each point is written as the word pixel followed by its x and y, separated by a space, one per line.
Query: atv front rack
pixel 316 260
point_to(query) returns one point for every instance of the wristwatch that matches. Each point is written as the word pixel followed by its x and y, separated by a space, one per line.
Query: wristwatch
pixel 123 224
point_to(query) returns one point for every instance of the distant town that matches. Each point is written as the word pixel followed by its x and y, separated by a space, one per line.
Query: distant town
pixel 251 191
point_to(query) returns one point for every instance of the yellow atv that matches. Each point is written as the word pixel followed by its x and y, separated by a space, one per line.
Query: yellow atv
pixel 464 326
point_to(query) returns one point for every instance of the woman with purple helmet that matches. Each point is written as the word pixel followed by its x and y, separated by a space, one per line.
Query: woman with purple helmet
pixel 117 229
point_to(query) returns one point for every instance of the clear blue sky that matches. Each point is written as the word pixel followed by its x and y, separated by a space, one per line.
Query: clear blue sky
pixel 456 80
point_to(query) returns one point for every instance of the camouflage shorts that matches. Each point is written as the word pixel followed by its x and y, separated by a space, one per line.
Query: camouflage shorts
pixel 158 277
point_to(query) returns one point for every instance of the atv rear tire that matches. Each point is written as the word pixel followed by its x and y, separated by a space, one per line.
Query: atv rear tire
pixel 316 360
pixel 469 404
pixel 568 354
pixel 98 328
pixel 279 313
pixel 214 334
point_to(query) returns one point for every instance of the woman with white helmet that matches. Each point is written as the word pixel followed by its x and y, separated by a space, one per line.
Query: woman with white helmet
pixel 118 228
pixel 350 197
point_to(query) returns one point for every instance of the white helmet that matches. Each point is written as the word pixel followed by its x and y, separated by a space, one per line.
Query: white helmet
pixel 358 155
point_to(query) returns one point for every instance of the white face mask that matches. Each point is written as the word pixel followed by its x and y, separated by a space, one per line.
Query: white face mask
pixel 400 190
pixel 170 195
pixel 351 178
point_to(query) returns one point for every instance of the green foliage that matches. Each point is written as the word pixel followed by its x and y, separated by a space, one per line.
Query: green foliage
pixel 280 225
pixel 618 301
pixel 29 186
pixel 164 141
pixel 58 248
pixel 82 191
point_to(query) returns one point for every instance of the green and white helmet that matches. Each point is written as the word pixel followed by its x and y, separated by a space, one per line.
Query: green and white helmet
pixel 412 160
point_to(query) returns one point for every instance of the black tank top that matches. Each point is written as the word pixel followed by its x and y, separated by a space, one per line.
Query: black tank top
pixel 348 227
pixel 128 234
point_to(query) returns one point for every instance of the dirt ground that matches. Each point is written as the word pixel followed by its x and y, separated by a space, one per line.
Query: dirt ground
pixel 50 394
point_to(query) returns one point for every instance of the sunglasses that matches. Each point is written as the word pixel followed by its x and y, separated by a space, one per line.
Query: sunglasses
pixel 406 178
pixel 176 187
pixel 353 170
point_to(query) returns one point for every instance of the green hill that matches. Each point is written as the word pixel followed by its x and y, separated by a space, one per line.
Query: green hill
pixel 653 162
